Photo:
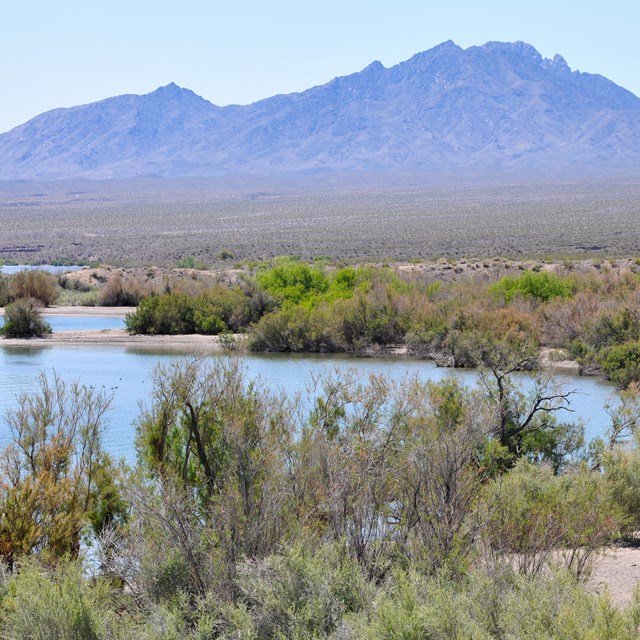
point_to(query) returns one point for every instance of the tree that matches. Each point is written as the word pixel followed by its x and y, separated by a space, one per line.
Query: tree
pixel 48 472
pixel 220 439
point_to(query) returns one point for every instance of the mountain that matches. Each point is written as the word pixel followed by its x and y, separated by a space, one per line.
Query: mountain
pixel 496 105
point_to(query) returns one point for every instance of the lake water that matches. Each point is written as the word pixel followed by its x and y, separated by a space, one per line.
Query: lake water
pixel 81 323
pixel 15 268
pixel 126 373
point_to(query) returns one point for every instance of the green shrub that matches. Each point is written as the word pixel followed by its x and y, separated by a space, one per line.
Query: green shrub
pixel 621 363
pixel 293 282
pixel 302 593
pixel 540 519
pixel 612 329
pixel 58 605
pixel 221 309
pixel 297 329
pixel 541 286
pixel 167 314
pixel 22 319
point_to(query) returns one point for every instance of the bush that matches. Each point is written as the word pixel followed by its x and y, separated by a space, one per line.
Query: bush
pixel 621 363
pixel 59 605
pixel 22 319
pixel 538 518
pixel 296 329
pixel 221 309
pixel 541 286
pixel 120 293
pixel 39 285
pixel 167 314
pixel 293 282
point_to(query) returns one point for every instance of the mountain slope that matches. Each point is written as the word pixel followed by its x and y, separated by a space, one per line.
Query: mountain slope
pixel 500 104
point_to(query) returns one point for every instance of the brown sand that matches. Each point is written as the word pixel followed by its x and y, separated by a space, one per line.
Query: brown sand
pixel 618 572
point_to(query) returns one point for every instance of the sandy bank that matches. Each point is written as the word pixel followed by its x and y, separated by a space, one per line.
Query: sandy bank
pixel 618 572
pixel 95 312
pixel 119 337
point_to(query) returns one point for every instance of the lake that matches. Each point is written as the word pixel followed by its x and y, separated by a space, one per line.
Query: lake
pixel 80 323
pixel 10 269
pixel 126 373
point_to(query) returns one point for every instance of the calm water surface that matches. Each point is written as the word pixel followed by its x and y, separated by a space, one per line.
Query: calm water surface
pixel 126 373
pixel 81 323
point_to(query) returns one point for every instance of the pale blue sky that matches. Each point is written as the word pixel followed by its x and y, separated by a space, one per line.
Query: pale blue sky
pixel 58 53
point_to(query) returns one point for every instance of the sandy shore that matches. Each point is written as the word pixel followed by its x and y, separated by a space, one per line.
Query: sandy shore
pixel 618 572
pixel 119 337
pixel 97 312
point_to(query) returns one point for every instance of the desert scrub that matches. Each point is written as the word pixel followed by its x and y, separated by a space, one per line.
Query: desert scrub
pixel 22 319
pixel 35 284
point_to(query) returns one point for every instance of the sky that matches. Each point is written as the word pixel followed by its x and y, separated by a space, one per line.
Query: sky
pixel 63 53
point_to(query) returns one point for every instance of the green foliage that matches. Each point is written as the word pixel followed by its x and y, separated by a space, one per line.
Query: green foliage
pixel 217 310
pixel 297 329
pixel 301 594
pixel 22 319
pixel 539 518
pixel 60 605
pixel 221 309
pixel 293 282
pixel 621 363
pixel 191 262
pixel 618 328
pixel 170 313
pixel 542 286
pixel 490 605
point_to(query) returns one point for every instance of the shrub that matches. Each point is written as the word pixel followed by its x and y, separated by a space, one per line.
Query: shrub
pixel 120 293
pixel 538 518
pixel 39 285
pixel 623 326
pixel 58 605
pixel 296 329
pixel 541 286
pixel 167 314
pixel 293 282
pixel 621 363
pixel 221 309
pixel 22 319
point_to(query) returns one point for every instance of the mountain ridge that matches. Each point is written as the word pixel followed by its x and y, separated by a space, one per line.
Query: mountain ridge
pixel 497 104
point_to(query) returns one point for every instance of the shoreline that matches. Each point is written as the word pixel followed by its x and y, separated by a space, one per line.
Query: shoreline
pixel 198 343
pixel 120 337
pixel 191 342
pixel 90 312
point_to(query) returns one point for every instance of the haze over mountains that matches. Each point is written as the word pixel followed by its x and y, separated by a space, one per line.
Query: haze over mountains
pixel 497 105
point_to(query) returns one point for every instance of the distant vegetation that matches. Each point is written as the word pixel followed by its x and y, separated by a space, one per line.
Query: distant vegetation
pixel 359 219
pixel 468 321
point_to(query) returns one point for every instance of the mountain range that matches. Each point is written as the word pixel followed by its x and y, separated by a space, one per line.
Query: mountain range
pixel 495 105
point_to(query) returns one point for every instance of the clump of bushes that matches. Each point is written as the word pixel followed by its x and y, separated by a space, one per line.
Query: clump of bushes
pixel 217 310
pixel 35 284
pixel 22 319
pixel 120 293
pixel 539 285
